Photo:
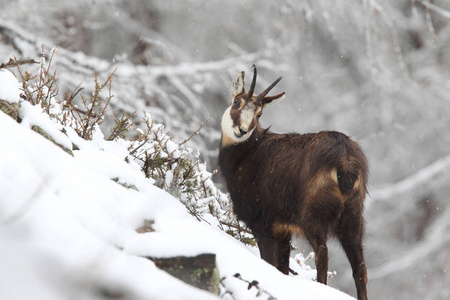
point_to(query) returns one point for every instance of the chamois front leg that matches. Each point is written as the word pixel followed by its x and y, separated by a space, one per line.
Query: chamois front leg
pixel 284 251
pixel 274 250
pixel 267 245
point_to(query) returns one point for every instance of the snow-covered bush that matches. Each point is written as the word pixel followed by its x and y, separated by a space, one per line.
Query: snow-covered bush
pixel 173 167
pixel 178 170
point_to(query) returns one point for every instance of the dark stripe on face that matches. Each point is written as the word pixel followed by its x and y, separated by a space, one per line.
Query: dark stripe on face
pixel 235 113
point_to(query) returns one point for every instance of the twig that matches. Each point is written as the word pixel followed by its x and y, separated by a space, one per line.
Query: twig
pixel 13 63
pixel 236 227
pixel 429 22
pixel 195 133
pixel 69 99
pixel 122 125
pixel 395 40
pixel 251 284
pixel 435 8
pixel 226 291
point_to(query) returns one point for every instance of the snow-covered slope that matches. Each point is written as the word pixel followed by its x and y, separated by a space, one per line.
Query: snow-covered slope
pixel 68 231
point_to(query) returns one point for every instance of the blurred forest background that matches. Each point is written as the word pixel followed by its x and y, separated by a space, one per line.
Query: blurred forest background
pixel 375 70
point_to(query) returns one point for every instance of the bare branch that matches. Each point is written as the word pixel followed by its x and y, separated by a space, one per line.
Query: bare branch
pixel 438 238
pixel 195 133
pixel 413 181
pixel 435 8
pixel 13 63
pixel 429 22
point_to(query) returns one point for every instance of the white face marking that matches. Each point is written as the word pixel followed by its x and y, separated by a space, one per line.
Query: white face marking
pixel 246 118
pixel 247 114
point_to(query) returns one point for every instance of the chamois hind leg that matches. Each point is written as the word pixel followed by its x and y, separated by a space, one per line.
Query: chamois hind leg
pixel 321 213
pixel 350 233
pixel 317 237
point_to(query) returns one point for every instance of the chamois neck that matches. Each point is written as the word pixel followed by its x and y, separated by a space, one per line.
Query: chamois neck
pixel 226 141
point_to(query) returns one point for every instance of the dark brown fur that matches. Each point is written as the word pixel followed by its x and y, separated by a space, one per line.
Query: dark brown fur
pixel 315 184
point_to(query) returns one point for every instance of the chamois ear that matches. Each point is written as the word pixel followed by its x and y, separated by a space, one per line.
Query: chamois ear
pixel 237 87
pixel 268 101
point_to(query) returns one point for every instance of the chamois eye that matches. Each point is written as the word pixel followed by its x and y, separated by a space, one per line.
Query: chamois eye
pixel 237 104
pixel 259 115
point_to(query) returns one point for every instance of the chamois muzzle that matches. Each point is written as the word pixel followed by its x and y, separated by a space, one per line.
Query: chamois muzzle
pixel 241 133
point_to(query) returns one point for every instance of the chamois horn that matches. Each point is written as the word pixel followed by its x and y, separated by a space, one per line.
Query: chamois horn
pixel 252 86
pixel 266 91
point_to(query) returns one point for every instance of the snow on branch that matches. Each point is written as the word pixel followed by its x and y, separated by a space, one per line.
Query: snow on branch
pixel 422 176
pixel 437 239
pixel 186 69
pixel 394 35
pixel 15 34
pixel 428 4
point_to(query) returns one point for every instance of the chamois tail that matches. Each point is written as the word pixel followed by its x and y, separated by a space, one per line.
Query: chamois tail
pixel 349 173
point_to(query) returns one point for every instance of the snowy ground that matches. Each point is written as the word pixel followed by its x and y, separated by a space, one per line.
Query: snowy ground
pixel 68 231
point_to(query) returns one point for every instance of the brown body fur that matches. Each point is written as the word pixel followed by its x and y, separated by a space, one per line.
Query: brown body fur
pixel 310 184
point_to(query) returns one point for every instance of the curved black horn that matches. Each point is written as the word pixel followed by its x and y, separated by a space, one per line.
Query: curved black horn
pixel 252 86
pixel 266 91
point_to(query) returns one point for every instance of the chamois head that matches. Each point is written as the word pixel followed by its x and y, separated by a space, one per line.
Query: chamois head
pixel 241 118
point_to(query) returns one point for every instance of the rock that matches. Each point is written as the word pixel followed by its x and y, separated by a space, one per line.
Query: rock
pixel 124 184
pixel 146 227
pixel 48 137
pixel 11 109
pixel 199 271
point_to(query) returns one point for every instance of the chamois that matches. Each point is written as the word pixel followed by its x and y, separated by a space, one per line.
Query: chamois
pixel 312 184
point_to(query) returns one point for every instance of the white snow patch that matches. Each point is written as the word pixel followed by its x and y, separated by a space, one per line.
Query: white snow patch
pixel 32 115
pixel 9 87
